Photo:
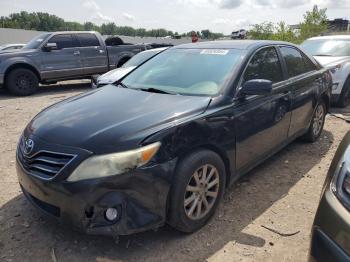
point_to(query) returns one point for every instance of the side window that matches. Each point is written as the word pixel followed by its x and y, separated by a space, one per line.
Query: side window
pixel 63 41
pixel 87 40
pixel 310 66
pixel 264 65
pixel 297 64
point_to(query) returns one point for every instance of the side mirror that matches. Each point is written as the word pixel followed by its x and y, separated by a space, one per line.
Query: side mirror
pixel 257 87
pixel 50 47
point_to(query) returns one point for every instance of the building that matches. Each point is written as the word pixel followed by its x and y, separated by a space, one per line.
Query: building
pixel 338 25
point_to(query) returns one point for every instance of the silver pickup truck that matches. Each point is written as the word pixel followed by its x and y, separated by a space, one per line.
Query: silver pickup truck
pixel 58 56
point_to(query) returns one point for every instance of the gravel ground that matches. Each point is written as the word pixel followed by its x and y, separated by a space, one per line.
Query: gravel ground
pixel 282 194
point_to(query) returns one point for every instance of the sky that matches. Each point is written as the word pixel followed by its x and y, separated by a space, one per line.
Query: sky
pixel 181 16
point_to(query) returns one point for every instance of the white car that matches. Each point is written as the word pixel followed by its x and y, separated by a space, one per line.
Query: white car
pixel 116 74
pixel 333 52
pixel 11 47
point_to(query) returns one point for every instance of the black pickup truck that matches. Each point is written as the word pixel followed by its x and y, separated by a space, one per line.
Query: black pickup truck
pixel 57 56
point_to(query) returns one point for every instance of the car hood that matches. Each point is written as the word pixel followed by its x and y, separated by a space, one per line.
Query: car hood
pixel 114 75
pixel 17 53
pixel 112 119
pixel 331 60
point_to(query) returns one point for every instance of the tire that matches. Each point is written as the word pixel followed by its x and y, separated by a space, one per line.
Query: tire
pixel 180 216
pixel 22 82
pixel 123 61
pixel 344 99
pixel 317 123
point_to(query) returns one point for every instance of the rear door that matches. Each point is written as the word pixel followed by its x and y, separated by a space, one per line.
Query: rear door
pixel 262 121
pixel 65 61
pixel 93 54
pixel 304 79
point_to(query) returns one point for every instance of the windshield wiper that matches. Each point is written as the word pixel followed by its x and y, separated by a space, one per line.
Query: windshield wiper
pixel 155 90
pixel 123 85
pixel 322 55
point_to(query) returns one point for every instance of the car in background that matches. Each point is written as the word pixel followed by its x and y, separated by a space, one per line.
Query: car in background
pixel 116 74
pixel 59 56
pixel 333 52
pixel 331 227
pixel 9 47
pixel 240 34
pixel 164 143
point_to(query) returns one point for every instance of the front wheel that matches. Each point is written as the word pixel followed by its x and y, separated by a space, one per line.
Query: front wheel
pixel 344 99
pixel 197 190
pixel 22 82
pixel 317 123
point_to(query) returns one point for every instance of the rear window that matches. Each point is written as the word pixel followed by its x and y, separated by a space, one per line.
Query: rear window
pixel 87 40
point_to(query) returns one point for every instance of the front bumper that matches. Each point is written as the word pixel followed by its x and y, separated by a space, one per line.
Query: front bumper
pixel 139 196
pixel 324 249
pixel 331 234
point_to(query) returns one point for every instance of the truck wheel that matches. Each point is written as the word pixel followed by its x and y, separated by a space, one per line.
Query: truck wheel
pixel 123 61
pixel 317 123
pixel 344 99
pixel 22 82
pixel 197 190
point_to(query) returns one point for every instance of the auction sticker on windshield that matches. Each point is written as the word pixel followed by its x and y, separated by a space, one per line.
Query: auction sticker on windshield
pixel 214 52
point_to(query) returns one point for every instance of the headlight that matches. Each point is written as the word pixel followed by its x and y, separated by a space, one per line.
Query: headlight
pixel 334 69
pixel 341 184
pixel 114 164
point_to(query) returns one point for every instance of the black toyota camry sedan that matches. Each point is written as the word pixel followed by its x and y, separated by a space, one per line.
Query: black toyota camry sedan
pixel 162 144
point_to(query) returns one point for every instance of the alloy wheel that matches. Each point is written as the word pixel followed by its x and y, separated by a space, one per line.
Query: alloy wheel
pixel 24 81
pixel 201 192
pixel 318 120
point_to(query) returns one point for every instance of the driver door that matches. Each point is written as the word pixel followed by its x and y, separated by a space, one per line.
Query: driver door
pixel 65 62
pixel 262 121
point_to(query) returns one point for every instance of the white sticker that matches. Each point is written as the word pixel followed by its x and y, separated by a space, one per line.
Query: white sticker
pixel 214 52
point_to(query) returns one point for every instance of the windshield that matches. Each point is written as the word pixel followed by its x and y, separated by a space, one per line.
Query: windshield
pixel 36 41
pixel 186 71
pixel 139 58
pixel 327 47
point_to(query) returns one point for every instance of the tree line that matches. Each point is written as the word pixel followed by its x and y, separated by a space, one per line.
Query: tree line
pixel 314 23
pixel 46 22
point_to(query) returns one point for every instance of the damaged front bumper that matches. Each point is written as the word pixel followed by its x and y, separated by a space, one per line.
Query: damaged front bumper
pixel 140 197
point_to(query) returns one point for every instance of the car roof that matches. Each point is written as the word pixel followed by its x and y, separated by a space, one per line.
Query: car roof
pixel 331 37
pixel 232 44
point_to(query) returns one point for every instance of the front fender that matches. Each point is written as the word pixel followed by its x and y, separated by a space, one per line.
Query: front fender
pixel 15 61
pixel 214 131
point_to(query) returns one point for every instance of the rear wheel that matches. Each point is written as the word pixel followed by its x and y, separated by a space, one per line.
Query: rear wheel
pixel 317 123
pixel 22 82
pixel 344 99
pixel 198 188
pixel 123 61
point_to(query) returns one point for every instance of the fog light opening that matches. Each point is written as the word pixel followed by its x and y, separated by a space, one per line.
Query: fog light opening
pixel 111 214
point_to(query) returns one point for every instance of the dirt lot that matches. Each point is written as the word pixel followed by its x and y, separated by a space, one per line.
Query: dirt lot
pixel 282 193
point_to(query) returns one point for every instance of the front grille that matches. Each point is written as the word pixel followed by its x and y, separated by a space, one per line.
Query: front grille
pixel 45 164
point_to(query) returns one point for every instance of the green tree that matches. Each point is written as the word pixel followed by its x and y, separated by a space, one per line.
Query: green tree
pixel 262 31
pixel 88 26
pixel 284 32
pixel 314 24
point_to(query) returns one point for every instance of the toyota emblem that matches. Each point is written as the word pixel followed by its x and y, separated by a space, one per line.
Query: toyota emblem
pixel 28 146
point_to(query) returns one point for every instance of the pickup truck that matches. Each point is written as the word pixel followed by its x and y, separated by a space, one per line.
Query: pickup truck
pixel 58 56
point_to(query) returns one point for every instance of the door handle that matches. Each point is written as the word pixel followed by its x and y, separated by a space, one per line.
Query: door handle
pixel 76 53
pixel 101 51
